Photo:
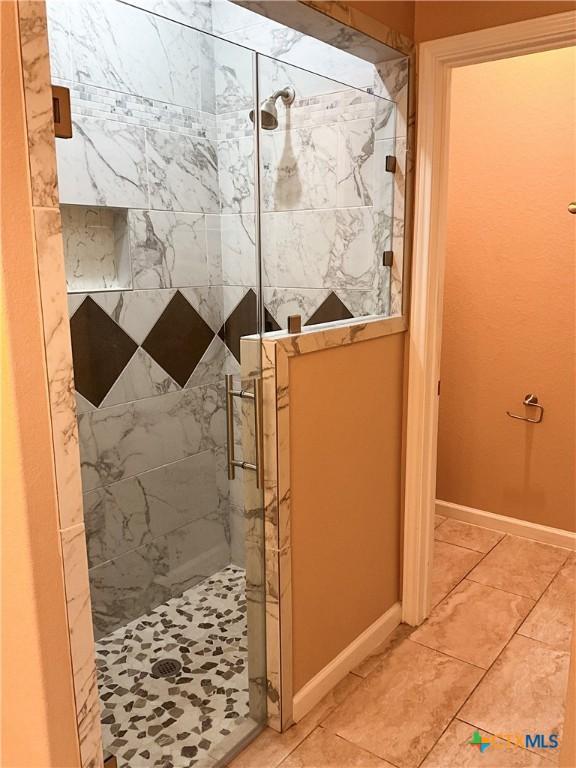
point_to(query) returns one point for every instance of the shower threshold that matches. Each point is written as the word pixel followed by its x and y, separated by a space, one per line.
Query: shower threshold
pixel 187 719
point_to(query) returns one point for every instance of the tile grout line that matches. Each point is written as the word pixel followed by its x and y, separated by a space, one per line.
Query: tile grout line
pixel 485 671
pixel 491 667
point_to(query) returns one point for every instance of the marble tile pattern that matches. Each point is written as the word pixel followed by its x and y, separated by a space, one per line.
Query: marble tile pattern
pixel 473 623
pixel 47 227
pixel 271 748
pixel 82 644
pixel 528 677
pixel 327 750
pixel 127 514
pixel 178 721
pixel 169 150
pixel 552 619
pixel 39 116
pixel 454 748
pixel 163 64
pixel 451 565
pixel 96 250
pixel 52 285
pixel 404 708
pixel 467 536
pixel 125 440
pixel 382 719
pixel 521 566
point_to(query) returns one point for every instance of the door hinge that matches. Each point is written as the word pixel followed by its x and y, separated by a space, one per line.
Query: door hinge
pixel 438 387
pixel 62 112
pixel 387 258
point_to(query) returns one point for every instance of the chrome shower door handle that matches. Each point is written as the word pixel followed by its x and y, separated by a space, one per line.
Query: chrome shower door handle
pixel 256 396
pixel 532 401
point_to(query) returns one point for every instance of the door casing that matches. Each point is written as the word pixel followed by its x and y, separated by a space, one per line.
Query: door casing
pixel 436 59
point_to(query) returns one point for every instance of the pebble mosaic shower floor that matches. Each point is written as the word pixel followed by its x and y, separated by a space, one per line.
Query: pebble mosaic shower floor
pixel 175 722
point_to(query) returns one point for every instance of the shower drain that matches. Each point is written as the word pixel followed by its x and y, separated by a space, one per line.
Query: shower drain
pixel 166 668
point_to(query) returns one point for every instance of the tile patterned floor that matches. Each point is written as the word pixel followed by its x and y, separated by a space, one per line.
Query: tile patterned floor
pixel 176 722
pixel 492 658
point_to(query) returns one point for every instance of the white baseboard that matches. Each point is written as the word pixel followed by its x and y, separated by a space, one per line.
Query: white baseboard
pixel 322 683
pixel 542 533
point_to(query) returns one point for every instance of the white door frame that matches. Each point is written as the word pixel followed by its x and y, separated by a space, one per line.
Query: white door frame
pixel 436 59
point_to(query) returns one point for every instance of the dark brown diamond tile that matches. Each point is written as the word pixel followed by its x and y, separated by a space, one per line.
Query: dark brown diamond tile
pixel 178 339
pixel 330 310
pixel 270 323
pixel 241 322
pixel 100 350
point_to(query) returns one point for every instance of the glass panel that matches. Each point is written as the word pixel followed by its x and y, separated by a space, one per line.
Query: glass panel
pixel 157 194
pixel 327 200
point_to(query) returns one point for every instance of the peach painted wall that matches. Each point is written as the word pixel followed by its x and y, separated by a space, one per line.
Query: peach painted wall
pixel 430 19
pixel 435 18
pixel 509 308
pixel 38 712
pixel 396 14
pixel 345 472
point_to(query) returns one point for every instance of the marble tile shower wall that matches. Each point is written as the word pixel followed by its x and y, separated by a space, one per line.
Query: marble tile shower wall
pixel 157 188
pixel 140 196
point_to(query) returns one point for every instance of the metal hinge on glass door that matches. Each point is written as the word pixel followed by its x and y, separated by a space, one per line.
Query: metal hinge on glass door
pixel 256 397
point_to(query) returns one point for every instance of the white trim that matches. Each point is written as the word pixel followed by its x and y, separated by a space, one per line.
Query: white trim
pixel 542 533
pixel 322 683
pixel 436 60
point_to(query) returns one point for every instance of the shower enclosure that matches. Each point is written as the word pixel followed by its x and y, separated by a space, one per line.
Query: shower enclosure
pixel 208 192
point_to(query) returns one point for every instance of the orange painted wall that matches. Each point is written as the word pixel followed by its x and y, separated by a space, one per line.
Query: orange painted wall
pixel 396 14
pixel 509 309
pixel 429 19
pixel 38 712
pixel 345 472
pixel 435 18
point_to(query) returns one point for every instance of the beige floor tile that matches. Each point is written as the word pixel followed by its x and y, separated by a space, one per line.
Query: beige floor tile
pixel 521 566
pixel 524 692
pixel 270 748
pixel 473 623
pixel 438 519
pixel 402 708
pixel 371 662
pixel 552 619
pixel 454 750
pixel 468 536
pixel 323 749
pixel 451 564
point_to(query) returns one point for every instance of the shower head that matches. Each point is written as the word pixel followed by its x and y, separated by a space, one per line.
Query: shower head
pixel 268 111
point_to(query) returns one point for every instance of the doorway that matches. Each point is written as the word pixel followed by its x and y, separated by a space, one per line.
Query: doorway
pixel 438 59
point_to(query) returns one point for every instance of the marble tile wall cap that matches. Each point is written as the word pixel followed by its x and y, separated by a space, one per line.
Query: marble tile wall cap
pixel 273 335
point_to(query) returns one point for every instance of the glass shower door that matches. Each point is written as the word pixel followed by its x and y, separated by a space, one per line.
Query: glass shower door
pixel 157 198
pixel 327 198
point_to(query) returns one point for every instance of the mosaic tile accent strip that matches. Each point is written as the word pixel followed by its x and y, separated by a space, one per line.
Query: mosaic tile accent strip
pixel 95 101
pixel 177 721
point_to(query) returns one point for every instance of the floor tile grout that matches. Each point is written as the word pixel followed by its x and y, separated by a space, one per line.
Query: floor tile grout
pixel 456 717
pixel 488 669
